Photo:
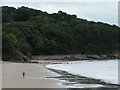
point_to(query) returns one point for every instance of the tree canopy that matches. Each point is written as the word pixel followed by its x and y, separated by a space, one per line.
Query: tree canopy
pixel 26 30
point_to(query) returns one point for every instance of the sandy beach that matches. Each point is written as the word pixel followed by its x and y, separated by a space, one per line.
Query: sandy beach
pixel 36 76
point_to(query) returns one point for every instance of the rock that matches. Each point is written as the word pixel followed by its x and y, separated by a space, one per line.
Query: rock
pixel 103 57
pixel 93 57
pixel 72 57
pixel 22 59
pixel 110 56
pixel 81 57
pixel 117 56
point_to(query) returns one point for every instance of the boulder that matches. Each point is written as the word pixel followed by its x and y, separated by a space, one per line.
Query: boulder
pixel 93 57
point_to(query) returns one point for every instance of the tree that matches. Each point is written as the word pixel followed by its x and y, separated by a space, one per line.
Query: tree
pixel 26 30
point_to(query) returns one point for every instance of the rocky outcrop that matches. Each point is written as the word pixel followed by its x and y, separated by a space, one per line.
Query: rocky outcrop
pixel 21 59
pixel 77 57
pixel 93 57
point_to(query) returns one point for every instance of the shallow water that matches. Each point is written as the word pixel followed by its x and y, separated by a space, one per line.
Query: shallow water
pixel 106 70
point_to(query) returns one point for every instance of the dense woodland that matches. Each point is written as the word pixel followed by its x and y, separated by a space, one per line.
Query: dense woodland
pixel 30 31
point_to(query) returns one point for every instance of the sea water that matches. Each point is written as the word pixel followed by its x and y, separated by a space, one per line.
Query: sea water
pixel 106 70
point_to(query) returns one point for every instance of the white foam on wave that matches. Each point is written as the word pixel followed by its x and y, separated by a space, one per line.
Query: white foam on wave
pixel 106 70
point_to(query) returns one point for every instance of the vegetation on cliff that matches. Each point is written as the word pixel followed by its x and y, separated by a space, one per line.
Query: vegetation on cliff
pixel 26 30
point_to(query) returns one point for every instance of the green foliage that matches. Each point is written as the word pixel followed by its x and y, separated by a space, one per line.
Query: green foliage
pixel 8 14
pixel 26 30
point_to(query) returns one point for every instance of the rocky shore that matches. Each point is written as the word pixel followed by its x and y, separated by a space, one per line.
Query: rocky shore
pixel 76 79
pixel 70 57
pixel 77 57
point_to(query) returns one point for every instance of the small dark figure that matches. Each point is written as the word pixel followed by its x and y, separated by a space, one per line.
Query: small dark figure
pixel 23 74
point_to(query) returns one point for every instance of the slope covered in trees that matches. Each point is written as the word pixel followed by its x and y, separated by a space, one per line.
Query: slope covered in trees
pixel 27 30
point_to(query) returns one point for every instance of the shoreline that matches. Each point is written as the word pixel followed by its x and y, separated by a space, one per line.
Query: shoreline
pixel 77 57
pixel 77 79
pixel 66 79
pixel 66 57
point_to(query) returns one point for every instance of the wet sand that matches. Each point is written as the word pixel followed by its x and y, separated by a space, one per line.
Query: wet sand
pixel 35 76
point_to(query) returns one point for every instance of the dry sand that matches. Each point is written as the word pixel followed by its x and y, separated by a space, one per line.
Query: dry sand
pixel 35 76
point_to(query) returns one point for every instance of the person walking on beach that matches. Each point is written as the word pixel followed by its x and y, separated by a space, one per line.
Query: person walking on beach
pixel 23 74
